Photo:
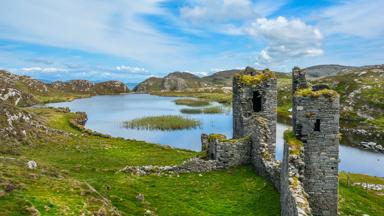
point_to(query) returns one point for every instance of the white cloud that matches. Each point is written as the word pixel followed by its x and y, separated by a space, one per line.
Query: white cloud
pixel 226 12
pixel 217 11
pixel 285 39
pixel 43 70
pixel 363 18
pixel 118 29
pixel 133 70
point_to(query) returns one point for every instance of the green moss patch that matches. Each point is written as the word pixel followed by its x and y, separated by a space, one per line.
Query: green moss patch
pixel 167 122
pixel 308 92
pixel 294 143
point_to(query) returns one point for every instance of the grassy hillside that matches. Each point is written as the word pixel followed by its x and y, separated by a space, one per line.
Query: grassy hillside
pixel 79 173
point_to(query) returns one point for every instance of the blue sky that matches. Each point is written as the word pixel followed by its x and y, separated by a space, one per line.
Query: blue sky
pixel 133 40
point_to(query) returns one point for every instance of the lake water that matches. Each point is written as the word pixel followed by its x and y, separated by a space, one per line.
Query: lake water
pixel 106 114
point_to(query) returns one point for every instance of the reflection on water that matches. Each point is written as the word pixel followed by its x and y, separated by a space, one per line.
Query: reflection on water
pixel 106 114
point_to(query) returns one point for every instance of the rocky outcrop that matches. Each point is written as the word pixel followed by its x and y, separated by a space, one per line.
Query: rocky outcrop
pixel 25 91
pixel 20 127
pixel 87 87
pixel 111 87
pixel 81 86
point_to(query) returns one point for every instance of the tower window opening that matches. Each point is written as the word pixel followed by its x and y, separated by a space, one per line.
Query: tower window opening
pixel 317 125
pixel 257 101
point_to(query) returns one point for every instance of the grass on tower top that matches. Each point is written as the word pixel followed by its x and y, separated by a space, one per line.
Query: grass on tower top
pixel 164 123
pixel 308 92
pixel 253 80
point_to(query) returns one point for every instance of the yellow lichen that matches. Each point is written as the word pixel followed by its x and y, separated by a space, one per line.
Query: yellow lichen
pixel 250 80
pixel 308 92
pixel 295 182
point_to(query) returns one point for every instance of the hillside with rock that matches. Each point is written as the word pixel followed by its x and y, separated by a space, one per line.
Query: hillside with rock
pixel 180 81
pixel 175 81
pixel 26 91
pixel 362 102
pixel 319 71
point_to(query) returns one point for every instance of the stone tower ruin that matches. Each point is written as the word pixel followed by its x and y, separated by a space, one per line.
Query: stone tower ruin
pixel 307 178
pixel 316 124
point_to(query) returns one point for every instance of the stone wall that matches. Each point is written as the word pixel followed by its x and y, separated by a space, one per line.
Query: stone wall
pixel 293 199
pixel 228 153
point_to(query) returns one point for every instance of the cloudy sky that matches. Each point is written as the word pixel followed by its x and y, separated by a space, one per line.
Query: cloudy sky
pixel 133 40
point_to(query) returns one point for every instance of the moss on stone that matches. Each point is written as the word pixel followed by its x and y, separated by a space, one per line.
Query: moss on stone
pixel 219 137
pixel 294 143
pixel 250 80
pixel 239 140
pixel 308 92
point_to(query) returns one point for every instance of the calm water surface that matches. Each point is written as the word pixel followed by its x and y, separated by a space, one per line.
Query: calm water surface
pixel 106 114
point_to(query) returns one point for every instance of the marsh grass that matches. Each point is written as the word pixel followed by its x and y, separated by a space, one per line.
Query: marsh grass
pixel 164 123
pixel 208 110
pixel 191 102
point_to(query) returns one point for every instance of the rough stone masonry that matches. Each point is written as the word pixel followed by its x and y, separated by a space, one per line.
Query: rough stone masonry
pixel 308 176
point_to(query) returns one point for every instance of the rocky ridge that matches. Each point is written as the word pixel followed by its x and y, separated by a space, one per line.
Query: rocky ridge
pixel 26 91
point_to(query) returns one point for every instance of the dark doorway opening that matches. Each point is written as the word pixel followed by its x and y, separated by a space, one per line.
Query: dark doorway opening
pixel 257 102
pixel 317 125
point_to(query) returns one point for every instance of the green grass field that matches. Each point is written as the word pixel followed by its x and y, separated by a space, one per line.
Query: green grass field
pixel 67 165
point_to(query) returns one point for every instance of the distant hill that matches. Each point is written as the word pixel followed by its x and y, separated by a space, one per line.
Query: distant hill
pixel 221 78
pixel 183 80
pixel 319 71
pixel 173 81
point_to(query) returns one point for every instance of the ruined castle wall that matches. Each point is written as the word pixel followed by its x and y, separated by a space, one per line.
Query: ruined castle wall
pixel 317 125
pixel 229 153
pixel 244 115
pixel 293 199
pixel 257 118
pixel 264 162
